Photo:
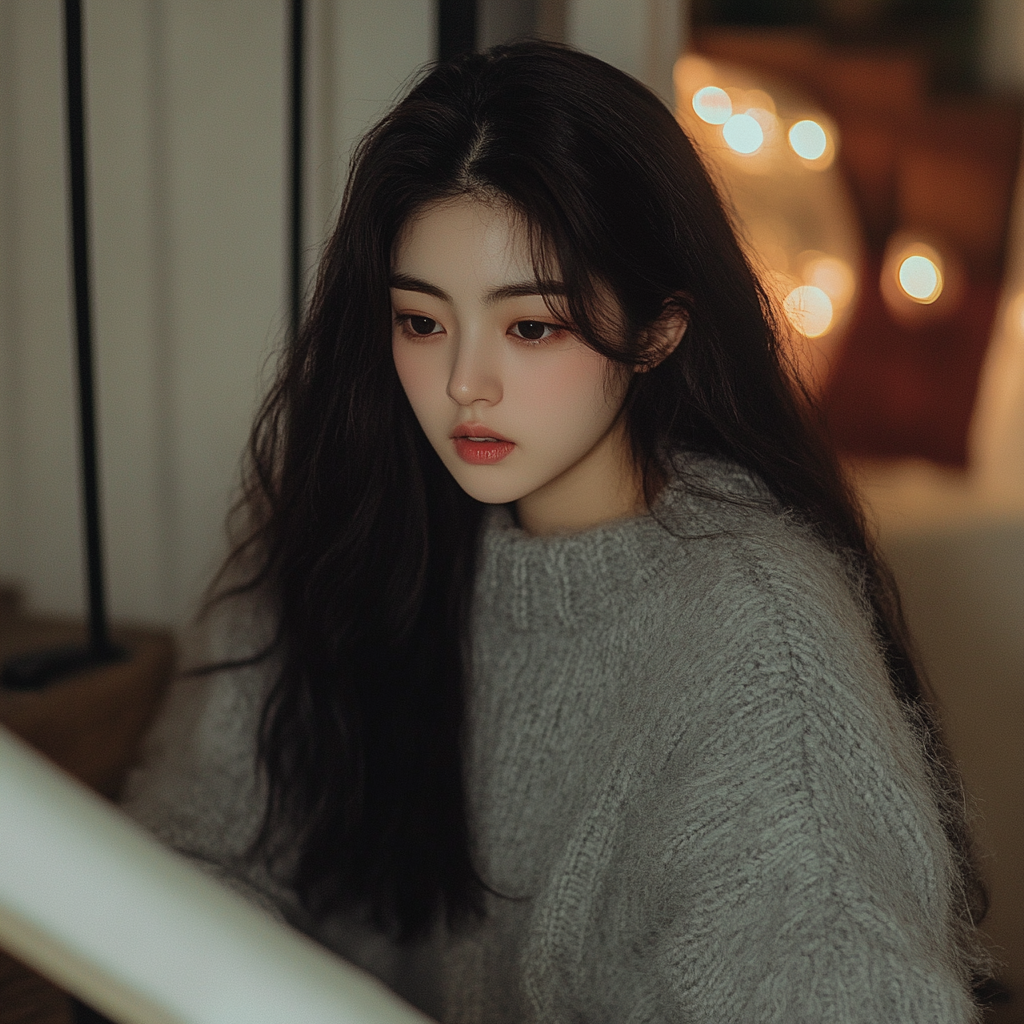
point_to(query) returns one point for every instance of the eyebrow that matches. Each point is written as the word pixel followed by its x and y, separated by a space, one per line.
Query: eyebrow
pixel 509 291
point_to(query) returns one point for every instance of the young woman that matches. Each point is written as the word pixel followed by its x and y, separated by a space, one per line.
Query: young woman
pixel 559 682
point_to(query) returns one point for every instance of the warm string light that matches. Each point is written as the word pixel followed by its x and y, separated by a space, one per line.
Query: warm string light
pixel 747 123
pixel 808 139
pixel 809 310
pixel 919 281
pixel 743 133
pixel 920 278
pixel 835 277
pixel 773 153
pixel 712 105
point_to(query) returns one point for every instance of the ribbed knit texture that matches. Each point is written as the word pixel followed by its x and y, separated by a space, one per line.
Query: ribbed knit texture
pixel 685 764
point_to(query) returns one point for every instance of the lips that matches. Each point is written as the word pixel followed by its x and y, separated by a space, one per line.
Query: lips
pixel 479 432
pixel 479 445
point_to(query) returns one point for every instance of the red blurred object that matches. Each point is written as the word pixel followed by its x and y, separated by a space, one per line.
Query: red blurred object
pixel 943 168
pixel 908 391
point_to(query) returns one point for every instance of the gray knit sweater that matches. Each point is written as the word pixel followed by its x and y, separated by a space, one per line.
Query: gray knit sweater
pixel 684 757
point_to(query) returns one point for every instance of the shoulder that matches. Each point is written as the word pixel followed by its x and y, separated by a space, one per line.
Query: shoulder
pixel 772 633
pixel 734 556
pixel 781 800
pixel 195 783
pixel 789 727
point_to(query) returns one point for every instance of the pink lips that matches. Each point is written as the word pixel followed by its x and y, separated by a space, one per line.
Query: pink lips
pixel 480 453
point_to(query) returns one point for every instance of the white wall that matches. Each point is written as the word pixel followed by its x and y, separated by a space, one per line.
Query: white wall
pixel 1002 45
pixel 36 399
pixel 186 104
pixel 642 37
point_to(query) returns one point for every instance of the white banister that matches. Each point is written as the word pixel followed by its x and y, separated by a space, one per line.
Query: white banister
pixel 93 902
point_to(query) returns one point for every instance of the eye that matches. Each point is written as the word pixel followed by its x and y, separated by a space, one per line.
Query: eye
pixel 420 326
pixel 535 330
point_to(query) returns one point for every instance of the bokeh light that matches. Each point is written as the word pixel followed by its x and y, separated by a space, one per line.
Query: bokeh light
pixel 794 215
pixel 743 133
pixel 757 98
pixel 920 281
pixel 712 105
pixel 808 139
pixel 920 277
pixel 834 276
pixel 766 118
pixel 809 310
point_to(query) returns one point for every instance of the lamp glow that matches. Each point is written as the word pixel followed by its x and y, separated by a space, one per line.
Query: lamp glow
pixel 775 158
pixel 808 139
pixel 712 105
pixel 760 99
pixel 743 134
pixel 809 310
pixel 920 278
pixel 835 277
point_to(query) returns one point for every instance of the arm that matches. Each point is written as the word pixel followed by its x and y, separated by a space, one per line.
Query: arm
pixel 787 863
pixel 196 789
pixel 810 882
pixel 195 786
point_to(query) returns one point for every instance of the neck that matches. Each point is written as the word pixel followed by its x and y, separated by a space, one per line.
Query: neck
pixel 602 486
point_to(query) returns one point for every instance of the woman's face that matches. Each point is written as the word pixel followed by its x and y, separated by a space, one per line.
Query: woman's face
pixel 518 408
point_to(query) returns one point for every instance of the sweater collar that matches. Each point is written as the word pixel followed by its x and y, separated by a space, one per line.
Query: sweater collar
pixel 565 580
pixel 561 579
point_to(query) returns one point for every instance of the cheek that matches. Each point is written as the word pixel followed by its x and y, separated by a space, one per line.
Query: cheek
pixel 569 392
pixel 417 371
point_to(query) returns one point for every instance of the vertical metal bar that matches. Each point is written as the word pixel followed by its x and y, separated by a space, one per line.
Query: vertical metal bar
pixel 295 283
pixel 99 642
pixel 456 28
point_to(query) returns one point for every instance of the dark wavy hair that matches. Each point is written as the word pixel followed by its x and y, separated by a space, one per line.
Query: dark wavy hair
pixel 361 542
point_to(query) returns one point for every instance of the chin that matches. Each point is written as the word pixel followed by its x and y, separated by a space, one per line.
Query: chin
pixel 493 485
pixel 485 485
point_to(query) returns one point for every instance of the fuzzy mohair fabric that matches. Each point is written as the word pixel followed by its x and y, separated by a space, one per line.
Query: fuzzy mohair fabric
pixel 685 767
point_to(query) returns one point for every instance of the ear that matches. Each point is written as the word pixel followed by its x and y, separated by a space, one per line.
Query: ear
pixel 665 333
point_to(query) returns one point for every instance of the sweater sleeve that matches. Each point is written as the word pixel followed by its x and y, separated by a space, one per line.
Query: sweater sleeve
pixel 196 788
pixel 195 785
pixel 787 864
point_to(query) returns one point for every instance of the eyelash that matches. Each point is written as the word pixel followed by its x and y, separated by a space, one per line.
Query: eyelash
pixel 403 321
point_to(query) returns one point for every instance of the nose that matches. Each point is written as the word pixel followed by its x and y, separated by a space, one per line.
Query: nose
pixel 475 375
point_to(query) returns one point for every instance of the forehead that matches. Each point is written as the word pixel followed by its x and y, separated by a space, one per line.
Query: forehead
pixel 467 236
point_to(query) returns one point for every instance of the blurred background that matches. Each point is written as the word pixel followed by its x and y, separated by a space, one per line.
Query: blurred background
pixel 870 151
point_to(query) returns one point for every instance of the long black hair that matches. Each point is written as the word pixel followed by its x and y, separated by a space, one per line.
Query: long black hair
pixel 361 542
